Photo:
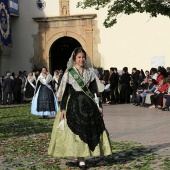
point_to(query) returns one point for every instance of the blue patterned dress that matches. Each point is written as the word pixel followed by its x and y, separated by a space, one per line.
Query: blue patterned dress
pixel 44 102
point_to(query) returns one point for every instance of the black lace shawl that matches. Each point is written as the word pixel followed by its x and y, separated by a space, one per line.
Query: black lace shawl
pixel 83 116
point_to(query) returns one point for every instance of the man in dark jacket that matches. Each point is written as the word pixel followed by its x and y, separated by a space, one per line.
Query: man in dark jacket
pixel 135 79
pixel 8 89
pixel 125 86
pixel 17 89
pixel 114 78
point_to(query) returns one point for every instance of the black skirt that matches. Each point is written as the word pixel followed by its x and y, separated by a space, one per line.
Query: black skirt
pixel 29 93
pixel 45 99
pixel 84 119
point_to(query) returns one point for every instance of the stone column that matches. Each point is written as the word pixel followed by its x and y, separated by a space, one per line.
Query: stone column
pixel 40 59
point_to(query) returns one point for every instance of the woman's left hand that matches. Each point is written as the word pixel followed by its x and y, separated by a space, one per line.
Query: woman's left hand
pixel 63 115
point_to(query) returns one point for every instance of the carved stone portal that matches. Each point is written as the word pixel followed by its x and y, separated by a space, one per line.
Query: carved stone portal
pixel 80 27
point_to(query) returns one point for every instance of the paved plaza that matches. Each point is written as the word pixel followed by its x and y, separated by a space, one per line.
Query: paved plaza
pixel 150 127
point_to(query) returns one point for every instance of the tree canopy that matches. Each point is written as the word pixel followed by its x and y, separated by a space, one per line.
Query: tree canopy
pixel 116 7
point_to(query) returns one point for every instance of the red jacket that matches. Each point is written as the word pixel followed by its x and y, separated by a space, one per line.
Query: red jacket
pixel 163 88
pixel 159 78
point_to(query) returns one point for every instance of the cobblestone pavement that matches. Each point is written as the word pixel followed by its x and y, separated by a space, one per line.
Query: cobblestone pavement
pixel 150 127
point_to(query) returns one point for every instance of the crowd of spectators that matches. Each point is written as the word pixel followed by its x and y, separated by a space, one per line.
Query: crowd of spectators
pixel 12 87
pixel 19 88
pixel 146 89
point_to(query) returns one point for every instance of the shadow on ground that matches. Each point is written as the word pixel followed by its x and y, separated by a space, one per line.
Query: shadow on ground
pixel 135 157
pixel 24 128
pixel 19 122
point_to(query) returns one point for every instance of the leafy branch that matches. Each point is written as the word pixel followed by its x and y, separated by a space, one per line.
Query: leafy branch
pixel 128 7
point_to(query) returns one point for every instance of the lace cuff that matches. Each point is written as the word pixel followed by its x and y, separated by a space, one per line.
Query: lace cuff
pixel 93 89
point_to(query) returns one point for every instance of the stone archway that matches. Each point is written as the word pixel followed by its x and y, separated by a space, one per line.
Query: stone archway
pixel 61 51
pixel 51 41
pixel 80 27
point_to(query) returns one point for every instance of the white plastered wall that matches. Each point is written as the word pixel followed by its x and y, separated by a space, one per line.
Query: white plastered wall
pixel 132 42
pixel 23 28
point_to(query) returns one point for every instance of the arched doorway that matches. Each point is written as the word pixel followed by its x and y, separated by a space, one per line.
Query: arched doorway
pixel 61 51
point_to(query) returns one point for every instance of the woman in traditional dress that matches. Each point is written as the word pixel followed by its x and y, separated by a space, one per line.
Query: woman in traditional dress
pixel 44 102
pixel 29 87
pixel 79 130
pixel 55 79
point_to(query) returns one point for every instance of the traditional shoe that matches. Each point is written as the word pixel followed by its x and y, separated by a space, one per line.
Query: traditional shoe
pixel 82 164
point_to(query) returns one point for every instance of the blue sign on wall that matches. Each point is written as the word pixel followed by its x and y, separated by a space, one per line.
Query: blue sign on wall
pixel 5 25
pixel 14 7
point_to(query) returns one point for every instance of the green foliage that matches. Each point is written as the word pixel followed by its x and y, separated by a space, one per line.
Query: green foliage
pixel 116 7
pixel 166 164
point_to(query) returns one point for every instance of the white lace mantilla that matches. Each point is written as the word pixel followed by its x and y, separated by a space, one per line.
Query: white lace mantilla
pixel 88 77
pixel 44 80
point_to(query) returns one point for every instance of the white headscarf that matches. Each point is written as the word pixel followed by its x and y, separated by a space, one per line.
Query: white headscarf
pixel 70 64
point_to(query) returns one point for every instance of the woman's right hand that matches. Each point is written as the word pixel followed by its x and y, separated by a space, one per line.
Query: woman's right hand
pixel 63 115
pixel 101 111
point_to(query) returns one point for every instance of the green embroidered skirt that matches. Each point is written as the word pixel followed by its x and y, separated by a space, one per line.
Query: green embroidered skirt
pixel 65 143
